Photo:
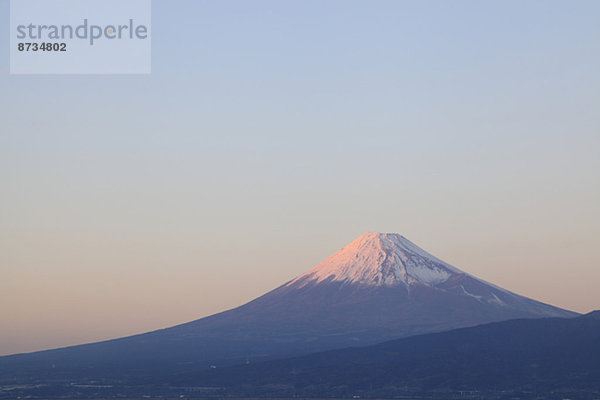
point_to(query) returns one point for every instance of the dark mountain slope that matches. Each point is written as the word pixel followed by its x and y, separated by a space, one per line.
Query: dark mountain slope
pixel 535 357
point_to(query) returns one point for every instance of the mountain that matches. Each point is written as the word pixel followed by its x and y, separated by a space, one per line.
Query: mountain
pixel 377 288
pixel 534 358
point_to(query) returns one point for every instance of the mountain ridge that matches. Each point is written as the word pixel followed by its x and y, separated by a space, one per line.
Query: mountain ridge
pixel 527 358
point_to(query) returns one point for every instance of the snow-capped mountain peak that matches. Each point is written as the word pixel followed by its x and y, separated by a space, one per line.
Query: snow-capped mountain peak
pixel 380 287
pixel 379 259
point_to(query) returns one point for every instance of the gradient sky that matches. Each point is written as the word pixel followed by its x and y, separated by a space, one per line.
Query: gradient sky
pixel 270 134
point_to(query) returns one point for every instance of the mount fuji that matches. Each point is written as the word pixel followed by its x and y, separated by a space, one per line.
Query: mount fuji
pixel 379 287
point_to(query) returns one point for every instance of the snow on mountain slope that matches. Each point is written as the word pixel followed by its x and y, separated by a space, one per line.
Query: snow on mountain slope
pixel 389 260
pixel 380 259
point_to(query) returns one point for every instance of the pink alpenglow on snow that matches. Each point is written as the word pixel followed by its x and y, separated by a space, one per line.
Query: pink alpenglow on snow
pixel 380 259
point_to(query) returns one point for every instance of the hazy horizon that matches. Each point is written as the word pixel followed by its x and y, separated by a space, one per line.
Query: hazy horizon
pixel 270 135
